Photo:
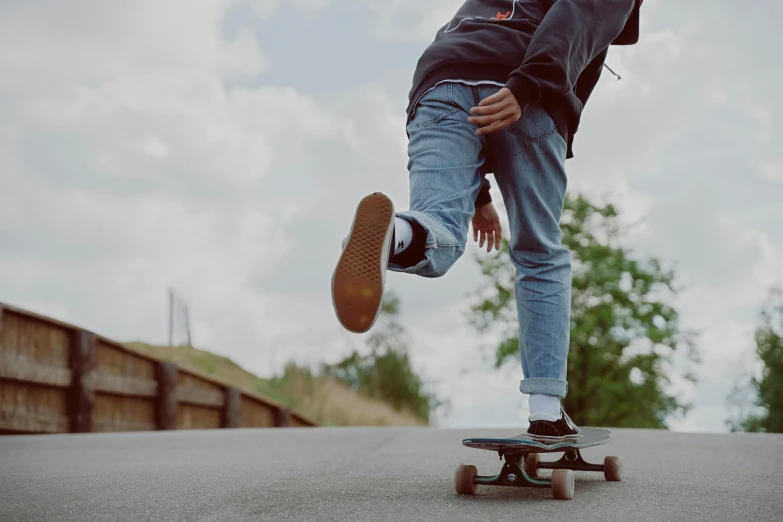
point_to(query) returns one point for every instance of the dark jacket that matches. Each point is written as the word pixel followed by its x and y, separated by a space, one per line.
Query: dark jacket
pixel 545 51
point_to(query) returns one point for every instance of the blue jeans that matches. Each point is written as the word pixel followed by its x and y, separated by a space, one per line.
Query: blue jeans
pixel 447 163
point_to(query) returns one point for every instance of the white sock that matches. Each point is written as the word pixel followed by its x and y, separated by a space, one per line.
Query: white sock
pixel 544 407
pixel 403 235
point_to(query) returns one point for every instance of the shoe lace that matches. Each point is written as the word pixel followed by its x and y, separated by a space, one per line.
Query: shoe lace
pixel 570 422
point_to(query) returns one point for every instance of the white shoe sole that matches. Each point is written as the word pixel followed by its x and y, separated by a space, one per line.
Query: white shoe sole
pixel 545 439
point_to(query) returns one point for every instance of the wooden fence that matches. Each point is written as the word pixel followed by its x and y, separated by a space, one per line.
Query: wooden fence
pixel 58 378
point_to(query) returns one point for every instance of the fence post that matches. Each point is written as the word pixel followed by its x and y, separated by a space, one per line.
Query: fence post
pixel 282 417
pixel 82 392
pixel 231 404
pixel 166 407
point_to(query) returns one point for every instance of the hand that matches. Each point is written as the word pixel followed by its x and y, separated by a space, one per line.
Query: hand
pixel 486 224
pixel 496 112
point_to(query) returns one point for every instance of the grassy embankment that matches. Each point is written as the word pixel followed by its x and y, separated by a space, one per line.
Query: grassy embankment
pixel 326 401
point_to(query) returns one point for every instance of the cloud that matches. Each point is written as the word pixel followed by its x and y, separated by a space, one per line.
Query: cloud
pixel 771 170
pixel 139 168
pixel 159 173
pixel 242 58
pixel 264 9
pixel 686 137
pixel 407 21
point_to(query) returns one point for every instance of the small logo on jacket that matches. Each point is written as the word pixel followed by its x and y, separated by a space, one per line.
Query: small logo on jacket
pixel 456 22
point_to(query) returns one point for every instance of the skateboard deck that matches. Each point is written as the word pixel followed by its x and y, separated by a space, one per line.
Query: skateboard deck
pixel 524 444
pixel 521 454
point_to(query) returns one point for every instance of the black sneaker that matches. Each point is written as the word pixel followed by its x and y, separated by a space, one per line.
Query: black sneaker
pixel 561 430
pixel 360 275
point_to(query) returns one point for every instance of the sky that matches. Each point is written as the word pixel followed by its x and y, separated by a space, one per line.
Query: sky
pixel 220 147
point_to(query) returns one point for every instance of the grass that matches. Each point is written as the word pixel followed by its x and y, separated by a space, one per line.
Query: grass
pixel 328 402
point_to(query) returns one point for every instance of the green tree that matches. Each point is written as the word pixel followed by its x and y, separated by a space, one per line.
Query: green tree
pixel 766 389
pixel 624 336
pixel 385 372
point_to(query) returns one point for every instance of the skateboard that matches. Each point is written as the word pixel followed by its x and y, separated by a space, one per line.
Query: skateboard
pixel 522 463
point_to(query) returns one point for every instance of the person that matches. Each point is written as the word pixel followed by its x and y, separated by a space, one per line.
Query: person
pixel 500 90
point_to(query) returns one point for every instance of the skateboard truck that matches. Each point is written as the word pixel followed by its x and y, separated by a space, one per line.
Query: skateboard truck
pixel 513 474
pixel 572 459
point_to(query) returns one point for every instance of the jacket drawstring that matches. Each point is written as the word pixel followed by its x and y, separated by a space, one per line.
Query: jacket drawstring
pixel 611 71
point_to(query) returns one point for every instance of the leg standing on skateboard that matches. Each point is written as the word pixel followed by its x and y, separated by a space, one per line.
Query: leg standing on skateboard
pixel 500 90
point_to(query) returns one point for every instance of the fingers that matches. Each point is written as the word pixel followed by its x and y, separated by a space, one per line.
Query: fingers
pixel 496 112
pixel 493 105
pixel 491 108
pixel 507 112
pixel 502 94
pixel 489 233
pixel 495 127
pixel 479 235
pixel 492 238
pixel 498 228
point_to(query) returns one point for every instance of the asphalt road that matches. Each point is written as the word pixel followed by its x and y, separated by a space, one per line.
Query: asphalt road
pixel 374 474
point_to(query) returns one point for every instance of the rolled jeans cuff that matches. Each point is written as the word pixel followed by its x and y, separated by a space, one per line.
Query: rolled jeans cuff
pixel 544 387
pixel 441 250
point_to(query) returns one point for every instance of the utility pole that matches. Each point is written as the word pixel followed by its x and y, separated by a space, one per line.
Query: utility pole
pixel 187 323
pixel 171 317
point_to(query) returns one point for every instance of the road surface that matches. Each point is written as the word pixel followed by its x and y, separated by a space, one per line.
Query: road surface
pixel 374 474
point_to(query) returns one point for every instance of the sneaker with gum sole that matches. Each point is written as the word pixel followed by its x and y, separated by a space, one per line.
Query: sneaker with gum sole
pixel 360 275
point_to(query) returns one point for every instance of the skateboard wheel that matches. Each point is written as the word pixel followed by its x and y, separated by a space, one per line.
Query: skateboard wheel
pixel 463 480
pixel 531 464
pixel 563 484
pixel 613 469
